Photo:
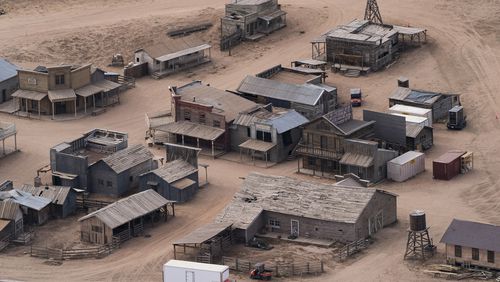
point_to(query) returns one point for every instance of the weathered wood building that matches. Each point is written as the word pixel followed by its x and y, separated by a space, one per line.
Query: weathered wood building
pixel 8 80
pixel 173 55
pixel 63 199
pixel 203 116
pixel 323 141
pixel 470 243
pixel 252 19
pixel 7 130
pixel 119 173
pixel 63 89
pixel 36 209
pixel 125 218
pixel 11 219
pixel 287 206
pixel 70 161
pixel 267 133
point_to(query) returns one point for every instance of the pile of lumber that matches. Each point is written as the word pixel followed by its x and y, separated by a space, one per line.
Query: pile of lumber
pixel 458 273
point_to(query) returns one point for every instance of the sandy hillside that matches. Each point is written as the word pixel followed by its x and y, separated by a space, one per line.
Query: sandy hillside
pixel 462 56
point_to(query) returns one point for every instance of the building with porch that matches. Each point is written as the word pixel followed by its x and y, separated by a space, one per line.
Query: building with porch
pixel 63 89
pixel 63 199
pixel 278 205
pixel 7 130
pixel 11 220
pixel 267 133
pixel 252 19
pixel 203 116
pixel 70 161
pixel 173 55
pixel 323 141
pixel 124 218
pixel 8 80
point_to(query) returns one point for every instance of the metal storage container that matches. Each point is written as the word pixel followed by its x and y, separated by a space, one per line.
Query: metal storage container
pixel 447 166
pixel 412 111
pixel 406 166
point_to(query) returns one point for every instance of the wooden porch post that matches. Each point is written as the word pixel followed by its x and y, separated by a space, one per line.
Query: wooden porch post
pixel 75 106
pixel 39 102
pixel 298 165
pixel 93 100
pixel 213 149
pixel 53 115
pixel 175 253
pixel 198 142
pixel 3 146
pixel 27 112
pixel 182 139
pixel 85 103
pixel 15 141
pixel 266 159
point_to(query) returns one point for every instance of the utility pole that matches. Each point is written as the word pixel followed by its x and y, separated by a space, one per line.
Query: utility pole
pixel 372 12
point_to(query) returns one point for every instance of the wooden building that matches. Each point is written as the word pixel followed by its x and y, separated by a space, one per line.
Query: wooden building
pixel 363 45
pixel 286 206
pixel 63 89
pixel 125 218
pixel 203 116
pixel 173 55
pixel 419 138
pixel 252 19
pixel 11 220
pixel 70 161
pixel 323 141
pixel 268 133
pixel 7 130
pixel 119 173
pixel 8 80
pixel 475 244
pixel 36 209
pixel 63 199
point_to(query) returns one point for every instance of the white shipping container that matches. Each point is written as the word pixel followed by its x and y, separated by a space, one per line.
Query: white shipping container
pixel 412 111
pixel 187 271
pixel 414 119
pixel 406 166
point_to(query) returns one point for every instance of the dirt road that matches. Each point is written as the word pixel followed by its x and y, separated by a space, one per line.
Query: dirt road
pixel 462 57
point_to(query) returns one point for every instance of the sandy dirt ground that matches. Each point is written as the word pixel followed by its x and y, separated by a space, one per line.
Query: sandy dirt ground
pixel 462 56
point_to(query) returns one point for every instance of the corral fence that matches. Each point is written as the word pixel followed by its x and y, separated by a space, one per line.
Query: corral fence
pixel 136 71
pixel 126 82
pixel 229 41
pixel 352 248
pixel 83 203
pixel 76 253
pixel 282 269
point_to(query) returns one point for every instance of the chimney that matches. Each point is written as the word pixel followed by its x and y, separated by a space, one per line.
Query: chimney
pixel 403 82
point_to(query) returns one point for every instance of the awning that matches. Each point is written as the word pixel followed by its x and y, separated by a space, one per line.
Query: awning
pixel 30 95
pixel 88 90
pixel 183 183
pixel 194 130
pixel 271 16
pixel 106 85
pixel 354 159
pixel 62 95
pixel 203 233
pixel 63 175
pixel 408 30
pixel 257 145
pixel 184 52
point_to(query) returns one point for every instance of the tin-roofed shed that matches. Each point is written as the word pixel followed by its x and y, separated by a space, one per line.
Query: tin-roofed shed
pixel 63 199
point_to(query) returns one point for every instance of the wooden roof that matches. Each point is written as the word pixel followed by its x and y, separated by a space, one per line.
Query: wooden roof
pixel 128 158
pixel 30 95
pixel 175 170
pixel 203 233
pixel 57 194
pixel 257 145
pixel 8 209
pixel 128 209
pixel 192 129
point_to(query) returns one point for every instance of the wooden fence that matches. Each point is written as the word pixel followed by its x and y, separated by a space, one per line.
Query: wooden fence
pixel 90 203
pixel 352 248
pixel 80 253
pixel 4 242
pixel 279 269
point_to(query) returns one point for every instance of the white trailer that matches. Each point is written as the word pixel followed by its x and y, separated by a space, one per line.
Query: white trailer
pixel 414 119
pixel 187 271
pixel 412 111
pixel 406 166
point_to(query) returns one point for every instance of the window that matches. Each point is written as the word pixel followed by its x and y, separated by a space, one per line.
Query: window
pixel 491 256
pixel 323 142
pixel 311 161
pixel 264 136
pixel 97 229
pixel 60 79
pixel 216 123
pixel 274 222
pixel 137 59
pixel 109 183
pixel 187 115
pixel 475 254
pixel 34 104
pixel 202 118
pixel 249 132
pixel 458 251
pixel 100 181
pixel 131 178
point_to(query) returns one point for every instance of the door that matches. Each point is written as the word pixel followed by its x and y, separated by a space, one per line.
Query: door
pixel 189 276
pixel 294 228
pixel 4 95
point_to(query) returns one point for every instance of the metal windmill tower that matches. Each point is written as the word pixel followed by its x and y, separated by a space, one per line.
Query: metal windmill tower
pixel 372 13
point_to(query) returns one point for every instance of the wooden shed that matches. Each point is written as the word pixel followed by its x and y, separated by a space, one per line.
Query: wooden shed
pixel 11 220
pixel 447 166
pixel 35 208
pixel 125 218
pixel 63 199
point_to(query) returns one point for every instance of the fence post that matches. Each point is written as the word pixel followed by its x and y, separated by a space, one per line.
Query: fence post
pixel 308 270
pixel 276 270
pixel 322 270
pixel 249 266
pixel 293 270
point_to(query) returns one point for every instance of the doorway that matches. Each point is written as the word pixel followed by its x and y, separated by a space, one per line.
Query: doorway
pixel 294 228
pixel 4 95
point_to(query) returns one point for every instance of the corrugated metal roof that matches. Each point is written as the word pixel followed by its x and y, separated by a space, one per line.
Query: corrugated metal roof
pixel 184 52
pixel 352 126
pixel 473 235
pixel 408 30
pixel 106 85
pixel 281 119
pixel 57 194
pixel 183 183
pixel 172 45
pixel 257 145
pixel 202 234
pixel 62 95
pixel 413 129
pixel 409 110
pixel 192 130
pixel 128 209
pixel 303 94
pixel 272 15
pixel 175 170
pixel 415 96
pixel 7 70
pixel 355 159
pixel 8 209
pixel 88 90
pixel 128 158
pixel 28 94
pixel 25 199
pixel 364 31
pixel 406 157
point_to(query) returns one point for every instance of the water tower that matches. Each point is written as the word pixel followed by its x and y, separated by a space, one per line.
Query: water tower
pixel 419 244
